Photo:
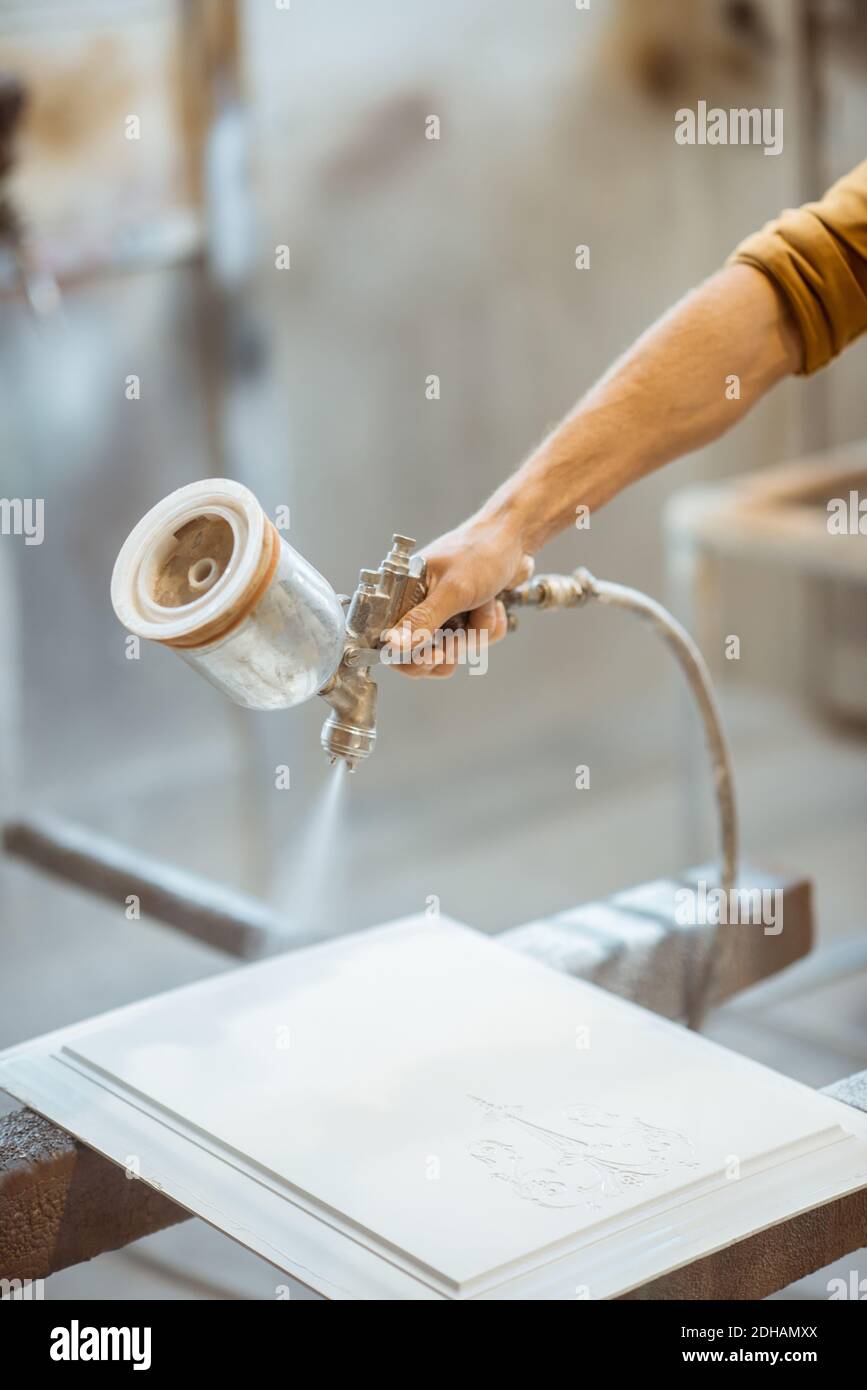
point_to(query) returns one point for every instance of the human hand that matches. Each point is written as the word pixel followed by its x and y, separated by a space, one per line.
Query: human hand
pixel 466 569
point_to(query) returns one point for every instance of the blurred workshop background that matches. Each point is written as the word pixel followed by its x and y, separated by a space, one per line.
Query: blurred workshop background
pixel 263 126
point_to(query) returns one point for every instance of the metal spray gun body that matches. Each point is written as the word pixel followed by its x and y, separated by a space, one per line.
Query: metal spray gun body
pixel 381 599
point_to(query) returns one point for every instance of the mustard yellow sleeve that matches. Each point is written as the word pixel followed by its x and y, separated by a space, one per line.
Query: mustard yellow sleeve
pixel 817 257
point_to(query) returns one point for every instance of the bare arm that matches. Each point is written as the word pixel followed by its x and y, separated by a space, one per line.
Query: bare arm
pixel 665 397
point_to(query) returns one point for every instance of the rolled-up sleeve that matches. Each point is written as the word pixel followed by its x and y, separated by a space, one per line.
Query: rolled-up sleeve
pixel 817 258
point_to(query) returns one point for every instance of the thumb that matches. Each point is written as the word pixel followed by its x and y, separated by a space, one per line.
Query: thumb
pixel 418 625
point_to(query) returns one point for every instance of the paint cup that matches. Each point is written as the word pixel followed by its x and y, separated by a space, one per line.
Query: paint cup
pixel 207 573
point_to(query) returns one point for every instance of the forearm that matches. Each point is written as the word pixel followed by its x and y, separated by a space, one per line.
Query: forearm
pixel 672 392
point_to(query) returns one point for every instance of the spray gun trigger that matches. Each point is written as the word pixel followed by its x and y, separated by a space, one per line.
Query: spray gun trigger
pixel 354 657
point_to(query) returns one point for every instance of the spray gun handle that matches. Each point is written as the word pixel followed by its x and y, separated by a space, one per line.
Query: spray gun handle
pixel 355 656
pixel 462 620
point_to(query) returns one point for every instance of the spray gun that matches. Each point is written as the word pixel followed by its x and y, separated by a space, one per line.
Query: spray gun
pixel 206 572
pixel 381 599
